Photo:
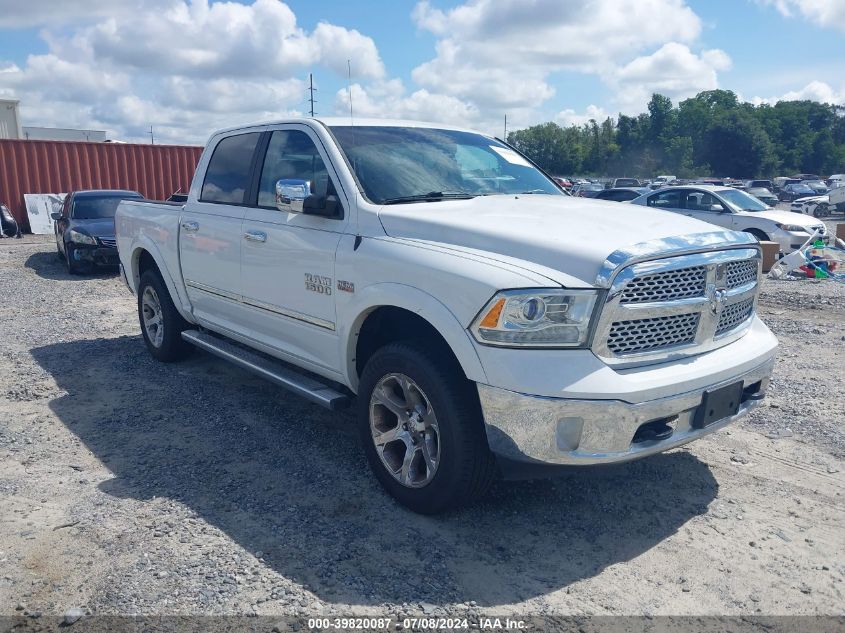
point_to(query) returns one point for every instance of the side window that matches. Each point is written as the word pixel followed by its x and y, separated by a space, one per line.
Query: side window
pixel 227 176
pixel 293 170
pixel 701 201
pixel 666 200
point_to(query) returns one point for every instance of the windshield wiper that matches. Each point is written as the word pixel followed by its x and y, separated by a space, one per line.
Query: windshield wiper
pixel 522 193
pixel 431 196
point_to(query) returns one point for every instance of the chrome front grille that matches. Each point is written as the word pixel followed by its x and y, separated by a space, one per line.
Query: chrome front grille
pixel 108 241
pixel 640 335
pixel 741 273
pixel 663 308
pixel 734 314
pixel 666 286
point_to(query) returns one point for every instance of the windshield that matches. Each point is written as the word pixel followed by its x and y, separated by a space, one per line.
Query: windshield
pixel 93 208
pixel 397 162
pixel 742 201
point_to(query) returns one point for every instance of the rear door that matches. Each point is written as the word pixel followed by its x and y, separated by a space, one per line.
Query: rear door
pixel 287 257
pixel 210 233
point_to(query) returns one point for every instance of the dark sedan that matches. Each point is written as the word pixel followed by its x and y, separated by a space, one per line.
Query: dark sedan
pixel 85 228
pixel 793 192
pixel 621 194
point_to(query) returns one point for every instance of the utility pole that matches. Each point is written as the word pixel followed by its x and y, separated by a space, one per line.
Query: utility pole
pixel 152 138
pixel 505 137
pixel 311 91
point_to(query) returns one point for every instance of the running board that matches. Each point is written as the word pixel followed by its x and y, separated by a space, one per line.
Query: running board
pixel 275 372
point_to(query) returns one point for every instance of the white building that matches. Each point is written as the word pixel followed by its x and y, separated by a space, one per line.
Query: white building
pixel 10 119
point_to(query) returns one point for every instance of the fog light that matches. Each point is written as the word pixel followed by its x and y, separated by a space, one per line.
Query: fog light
pixel 569 433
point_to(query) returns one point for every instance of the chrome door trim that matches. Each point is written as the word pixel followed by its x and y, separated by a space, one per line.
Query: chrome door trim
pixel 291 314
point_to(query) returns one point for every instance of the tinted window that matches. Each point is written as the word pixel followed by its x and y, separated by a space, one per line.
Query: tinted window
pixel 293 163
pixel 627 182
pixel 226 179
pixel 666 200
pixel 94 207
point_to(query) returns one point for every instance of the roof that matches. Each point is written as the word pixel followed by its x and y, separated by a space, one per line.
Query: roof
pixel 347 121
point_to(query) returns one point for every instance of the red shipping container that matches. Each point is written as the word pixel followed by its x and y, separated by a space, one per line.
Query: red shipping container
pixel 156 171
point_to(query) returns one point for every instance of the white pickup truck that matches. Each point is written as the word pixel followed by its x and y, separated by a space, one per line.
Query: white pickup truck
pixel 483 323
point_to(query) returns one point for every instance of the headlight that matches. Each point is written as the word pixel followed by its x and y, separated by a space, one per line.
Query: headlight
pixel 792 228
pixel 544 317
pixel 81 238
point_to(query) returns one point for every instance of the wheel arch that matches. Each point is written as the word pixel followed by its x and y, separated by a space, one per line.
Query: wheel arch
pixel 146 256
pixel 392 312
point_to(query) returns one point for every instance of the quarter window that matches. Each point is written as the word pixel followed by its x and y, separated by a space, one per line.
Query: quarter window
pixel 292 170
pixel 227 176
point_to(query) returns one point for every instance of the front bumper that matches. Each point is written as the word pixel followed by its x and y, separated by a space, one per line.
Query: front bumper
pixel 542 430
pixel 101 255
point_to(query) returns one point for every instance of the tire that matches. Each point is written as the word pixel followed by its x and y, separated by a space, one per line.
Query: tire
pixel 59 253
pixel 463 466
pixel 760 235
pixel 72 267
pixel 821 211
pixel 164 337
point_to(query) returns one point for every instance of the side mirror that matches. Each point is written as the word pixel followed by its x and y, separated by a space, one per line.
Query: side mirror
pixel 290 194
pixel 322 206
pixel 717 208
pixel 56 216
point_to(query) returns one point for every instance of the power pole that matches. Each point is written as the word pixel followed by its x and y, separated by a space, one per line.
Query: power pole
pixel 505 137
pixel 311 92
pixel 152 138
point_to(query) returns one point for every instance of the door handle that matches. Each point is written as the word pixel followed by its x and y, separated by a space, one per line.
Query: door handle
pixel 191 226
pixel 255 236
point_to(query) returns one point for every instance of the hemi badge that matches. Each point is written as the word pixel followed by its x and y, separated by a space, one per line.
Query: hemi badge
pixel 345 286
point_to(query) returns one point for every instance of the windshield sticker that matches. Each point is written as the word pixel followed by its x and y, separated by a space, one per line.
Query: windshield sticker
pixel 510 156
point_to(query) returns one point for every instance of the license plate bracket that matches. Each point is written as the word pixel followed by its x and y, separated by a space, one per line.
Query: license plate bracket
pixel 718 404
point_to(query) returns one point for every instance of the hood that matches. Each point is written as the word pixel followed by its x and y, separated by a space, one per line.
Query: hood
pixel 781 217
pixel 571 235
pixel 98 227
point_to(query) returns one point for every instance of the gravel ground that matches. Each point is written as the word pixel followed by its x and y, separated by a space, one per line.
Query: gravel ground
pixel 133 487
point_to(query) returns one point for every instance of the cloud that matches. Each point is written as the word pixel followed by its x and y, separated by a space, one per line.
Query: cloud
pixel 500 54
pixel 188 68
pixel 570 117
pixel 813 91
pixel 390 99
pixel 673 70
pixel 23 13
pixel 827 13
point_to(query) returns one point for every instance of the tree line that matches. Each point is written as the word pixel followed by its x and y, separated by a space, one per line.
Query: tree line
pixel 711 134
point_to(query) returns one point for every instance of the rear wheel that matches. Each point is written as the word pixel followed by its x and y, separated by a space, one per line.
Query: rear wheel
pixel 161 323
pixel 422 430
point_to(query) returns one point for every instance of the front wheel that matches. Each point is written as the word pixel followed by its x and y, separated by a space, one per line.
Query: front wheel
pixel 161 323
pixel 73 267
pixel 760 235
pixel 422 429
pixel 821 210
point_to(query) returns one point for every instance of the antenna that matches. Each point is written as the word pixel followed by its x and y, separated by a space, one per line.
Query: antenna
pixel 152 138
pixel 311 90
pixel 505 137
pixel 349 89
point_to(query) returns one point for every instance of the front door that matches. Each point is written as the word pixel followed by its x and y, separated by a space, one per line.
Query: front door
pixel 288 257
pixel 704 206
pixel 210 233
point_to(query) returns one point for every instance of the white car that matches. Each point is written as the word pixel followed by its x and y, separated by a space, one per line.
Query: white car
pixel 734 209
pixel 817 206
pixel 479 321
